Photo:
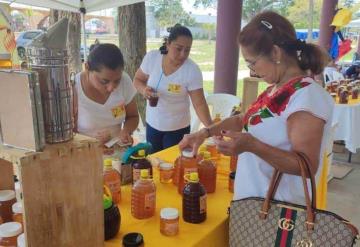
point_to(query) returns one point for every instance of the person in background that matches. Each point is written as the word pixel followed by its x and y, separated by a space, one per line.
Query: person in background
pixel 294 114
pixel 353 71
pixel 174 76
pixel 105 106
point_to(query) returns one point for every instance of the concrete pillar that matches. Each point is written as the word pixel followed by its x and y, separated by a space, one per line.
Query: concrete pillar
pixel 227 46
pixel 327 15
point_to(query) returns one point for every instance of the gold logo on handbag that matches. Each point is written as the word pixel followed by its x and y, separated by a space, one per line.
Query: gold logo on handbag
pixel 304 243
pixel 286 224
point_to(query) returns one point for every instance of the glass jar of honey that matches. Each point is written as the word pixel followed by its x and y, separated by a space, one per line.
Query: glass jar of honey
pixel 166 173
pixel 5 61
pixel 211 147
pixel 9 233
pixel 7 199
pixel 355 93
pixel 169 221
pixel 17 209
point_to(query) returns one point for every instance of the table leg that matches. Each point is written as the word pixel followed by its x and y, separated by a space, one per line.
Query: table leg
pixel 350 154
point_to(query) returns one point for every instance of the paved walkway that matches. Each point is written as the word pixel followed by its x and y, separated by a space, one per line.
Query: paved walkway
pixel 209 75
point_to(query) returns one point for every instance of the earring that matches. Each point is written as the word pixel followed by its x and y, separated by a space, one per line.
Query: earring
pixel 277 62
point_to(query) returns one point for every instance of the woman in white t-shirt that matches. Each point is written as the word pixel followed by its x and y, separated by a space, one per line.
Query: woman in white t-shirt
pixel 105 106
pixel 293 114
pixel 174 76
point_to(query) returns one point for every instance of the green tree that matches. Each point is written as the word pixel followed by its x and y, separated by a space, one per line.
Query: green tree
pixel 253 7
pixel 170 12
pixel 298 13
pixel 210 28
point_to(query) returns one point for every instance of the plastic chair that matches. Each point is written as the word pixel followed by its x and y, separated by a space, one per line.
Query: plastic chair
pixel 219 103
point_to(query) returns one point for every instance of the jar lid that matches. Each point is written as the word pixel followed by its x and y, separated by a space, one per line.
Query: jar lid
pixel 6 195
pixel 210 141
pixel 133 239
pixel 188 153
pixel 166 166
pixel 10 229
pixel 21 240
pixel 5 56
pixel 17 208
pixel 169 213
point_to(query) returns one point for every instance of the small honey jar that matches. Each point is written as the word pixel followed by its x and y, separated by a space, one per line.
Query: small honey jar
pixel 169 221
pixel 166 172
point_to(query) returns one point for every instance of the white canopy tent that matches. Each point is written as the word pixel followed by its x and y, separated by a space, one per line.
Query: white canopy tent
pixel 82 6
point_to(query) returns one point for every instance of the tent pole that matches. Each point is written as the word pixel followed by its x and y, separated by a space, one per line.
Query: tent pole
pixel 83 12
pixel 84 36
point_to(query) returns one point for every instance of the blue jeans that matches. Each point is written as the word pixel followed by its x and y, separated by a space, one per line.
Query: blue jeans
pixel 163 139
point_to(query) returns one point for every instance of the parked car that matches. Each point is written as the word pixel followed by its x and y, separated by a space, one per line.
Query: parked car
pixel 24 39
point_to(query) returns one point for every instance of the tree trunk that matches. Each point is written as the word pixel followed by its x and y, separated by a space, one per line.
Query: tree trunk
pixel 132 43
pixel 73 38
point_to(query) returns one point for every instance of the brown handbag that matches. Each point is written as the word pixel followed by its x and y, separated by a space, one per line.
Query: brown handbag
pixel 260 222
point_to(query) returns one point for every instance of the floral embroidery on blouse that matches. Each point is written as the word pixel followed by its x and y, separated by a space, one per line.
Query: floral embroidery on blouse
pixel 269 105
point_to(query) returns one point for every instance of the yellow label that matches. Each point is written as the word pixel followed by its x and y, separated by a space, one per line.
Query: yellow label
pixel 118 111
pixel 174 88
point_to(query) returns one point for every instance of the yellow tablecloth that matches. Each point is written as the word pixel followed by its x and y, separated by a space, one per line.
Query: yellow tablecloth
pixel 212 232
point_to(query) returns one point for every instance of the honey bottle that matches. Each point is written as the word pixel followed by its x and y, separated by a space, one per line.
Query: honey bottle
pixel 139 163
pixel 143 196
pixel 187 164
pixel 194 200
pixel 112 180
pixel 207 173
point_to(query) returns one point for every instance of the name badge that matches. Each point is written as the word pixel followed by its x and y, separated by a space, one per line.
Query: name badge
pixel 118 111
pixel 174 88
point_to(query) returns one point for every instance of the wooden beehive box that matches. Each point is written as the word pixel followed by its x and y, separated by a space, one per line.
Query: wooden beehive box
pixel 62 192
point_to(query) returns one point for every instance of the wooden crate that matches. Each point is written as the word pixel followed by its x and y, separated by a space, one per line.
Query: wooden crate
pixel 250 92
pixel 62 192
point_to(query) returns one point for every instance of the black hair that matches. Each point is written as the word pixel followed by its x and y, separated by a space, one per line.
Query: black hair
pixel 105 55
pixel 175 32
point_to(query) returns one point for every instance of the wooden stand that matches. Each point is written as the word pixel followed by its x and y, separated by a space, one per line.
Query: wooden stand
pixel 250 92
pixel 62 192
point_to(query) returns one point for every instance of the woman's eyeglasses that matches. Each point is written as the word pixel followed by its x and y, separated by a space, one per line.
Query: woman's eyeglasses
pixel 251 64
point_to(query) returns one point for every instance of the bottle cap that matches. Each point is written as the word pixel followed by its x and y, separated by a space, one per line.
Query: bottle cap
pixel 188 153
pixel 206 155
pixel 17 208
pixel 133 239
pixel 169 213
pixel 6 195
pixel 194 177
pixel 166 166
pixel 107 199
pixel 107 163
pixel 141 153
pixel 10 229
pixel 144 173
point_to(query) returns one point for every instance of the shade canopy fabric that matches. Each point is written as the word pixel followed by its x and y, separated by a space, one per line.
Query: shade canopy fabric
pixel 75 5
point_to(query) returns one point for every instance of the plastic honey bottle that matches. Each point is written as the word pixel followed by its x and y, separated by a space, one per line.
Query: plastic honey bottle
pixel 207 173
pixel 194 200
pixel 143 197
pixel 187 164
pixel 112 180
pixel 140 162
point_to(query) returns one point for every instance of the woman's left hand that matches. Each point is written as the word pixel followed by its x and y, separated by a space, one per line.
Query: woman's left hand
pixel 237 143
pixel 125 137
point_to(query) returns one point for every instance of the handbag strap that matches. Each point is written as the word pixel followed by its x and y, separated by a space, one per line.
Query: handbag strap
pixel 304 165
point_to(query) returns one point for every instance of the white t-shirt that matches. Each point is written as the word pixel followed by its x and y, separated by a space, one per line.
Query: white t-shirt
pixel 253 174
pixel 94 117
pixel 173 109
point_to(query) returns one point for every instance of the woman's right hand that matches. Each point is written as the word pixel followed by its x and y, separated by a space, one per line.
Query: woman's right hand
pixel 147 92
pixel 193 140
